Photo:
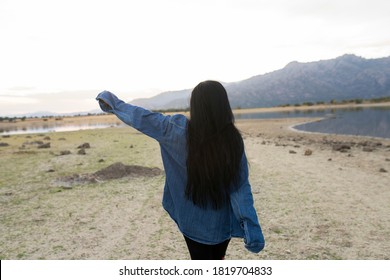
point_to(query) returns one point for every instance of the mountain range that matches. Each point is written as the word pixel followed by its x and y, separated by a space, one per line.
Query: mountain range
pixel 343 78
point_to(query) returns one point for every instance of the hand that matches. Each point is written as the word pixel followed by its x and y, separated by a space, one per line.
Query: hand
pixel 104 106
pixel 103 103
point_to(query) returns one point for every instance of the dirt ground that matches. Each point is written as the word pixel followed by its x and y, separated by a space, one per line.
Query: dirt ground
pixel 317 196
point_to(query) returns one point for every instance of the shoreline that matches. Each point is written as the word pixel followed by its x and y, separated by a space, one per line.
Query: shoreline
pixel 111 120
pixel 71 119
pixel 368 137
pixel 288 124
pixel 291 127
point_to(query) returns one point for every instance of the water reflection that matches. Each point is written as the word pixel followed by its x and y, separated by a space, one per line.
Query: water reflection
pixel 367 121
pixel 52 127
pixel 364 121
pixel 283 114
pixel 373 122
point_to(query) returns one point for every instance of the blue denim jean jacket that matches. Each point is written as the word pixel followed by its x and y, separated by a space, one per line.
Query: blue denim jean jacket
pixel 207 226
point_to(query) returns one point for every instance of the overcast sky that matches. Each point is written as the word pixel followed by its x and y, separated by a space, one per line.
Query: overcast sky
pixel 57 55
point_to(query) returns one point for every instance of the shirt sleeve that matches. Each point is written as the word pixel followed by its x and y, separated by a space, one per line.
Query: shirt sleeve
pixel 244 211
pixel 153 124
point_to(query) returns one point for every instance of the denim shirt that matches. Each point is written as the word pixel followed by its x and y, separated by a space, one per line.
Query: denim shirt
pixel 207 226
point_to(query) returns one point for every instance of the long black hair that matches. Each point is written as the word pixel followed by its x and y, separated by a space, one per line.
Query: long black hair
pixel 215 146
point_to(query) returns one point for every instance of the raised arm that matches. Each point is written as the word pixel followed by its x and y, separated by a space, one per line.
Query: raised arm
pixel 153 124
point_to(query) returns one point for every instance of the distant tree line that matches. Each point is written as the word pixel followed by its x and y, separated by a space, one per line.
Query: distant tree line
pixel 336 102
pixel 173 110
pixel 14 119
pixel 331 102
pixel 44 118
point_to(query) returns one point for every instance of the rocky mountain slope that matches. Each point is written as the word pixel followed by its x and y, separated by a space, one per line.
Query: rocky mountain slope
pixel 343 78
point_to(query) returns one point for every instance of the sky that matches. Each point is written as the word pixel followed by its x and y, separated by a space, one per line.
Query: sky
pixel 58 55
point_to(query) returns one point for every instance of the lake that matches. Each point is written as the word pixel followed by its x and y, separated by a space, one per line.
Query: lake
pixel 52 127
pixel 362 121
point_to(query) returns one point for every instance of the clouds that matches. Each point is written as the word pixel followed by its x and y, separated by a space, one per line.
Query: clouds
pixel 135 46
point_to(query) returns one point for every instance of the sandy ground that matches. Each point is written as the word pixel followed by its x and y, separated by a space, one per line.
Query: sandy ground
pixel 332 203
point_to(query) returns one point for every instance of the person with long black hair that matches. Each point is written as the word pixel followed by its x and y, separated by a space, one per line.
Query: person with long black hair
pixel 207 191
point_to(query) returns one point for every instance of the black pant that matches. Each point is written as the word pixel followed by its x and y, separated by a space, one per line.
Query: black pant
pixel 199 251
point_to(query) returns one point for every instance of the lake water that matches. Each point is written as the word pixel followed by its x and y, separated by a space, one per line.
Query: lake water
pixel 54 127
pixel 363 121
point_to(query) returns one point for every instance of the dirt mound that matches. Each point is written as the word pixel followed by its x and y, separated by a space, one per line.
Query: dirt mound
pixel 114 171
pixel 119 170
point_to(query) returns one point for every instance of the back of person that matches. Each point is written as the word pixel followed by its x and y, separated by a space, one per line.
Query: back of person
pixel 207 191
